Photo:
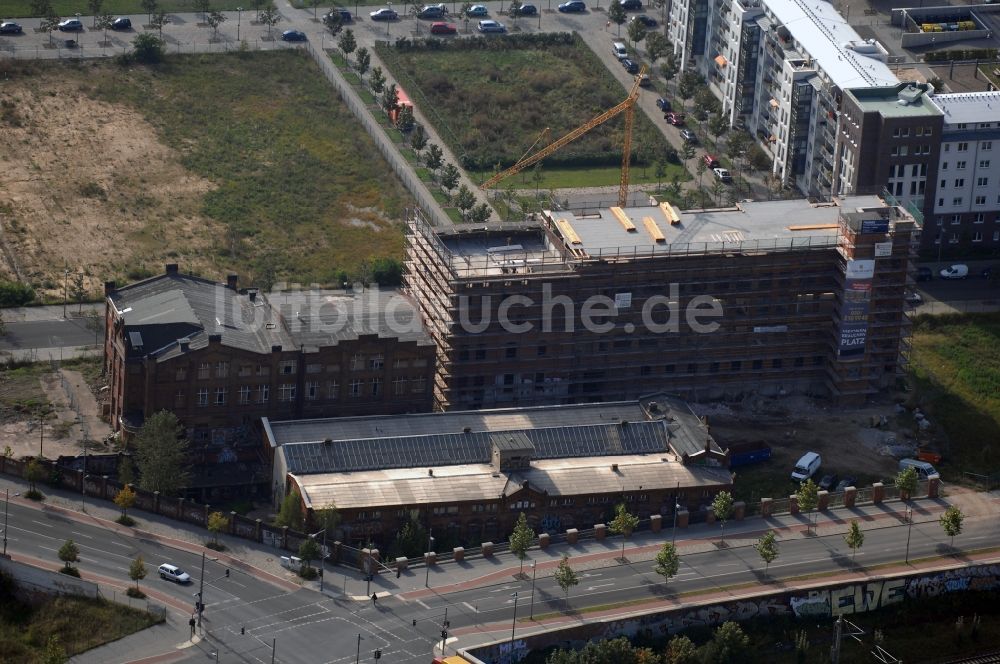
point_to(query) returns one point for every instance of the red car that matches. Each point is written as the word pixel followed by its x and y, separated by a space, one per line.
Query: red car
pixel 711 161
pixel 441 28
pixel 676 119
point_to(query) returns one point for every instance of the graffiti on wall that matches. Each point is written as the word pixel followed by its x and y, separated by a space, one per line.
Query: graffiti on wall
pixel 982 577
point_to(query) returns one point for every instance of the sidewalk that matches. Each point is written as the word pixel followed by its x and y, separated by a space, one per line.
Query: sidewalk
pixel 49 312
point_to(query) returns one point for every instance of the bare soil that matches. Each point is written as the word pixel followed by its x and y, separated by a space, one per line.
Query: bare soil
pixel 85 185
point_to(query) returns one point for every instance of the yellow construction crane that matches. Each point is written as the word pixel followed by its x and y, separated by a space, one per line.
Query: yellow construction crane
pixel 627 106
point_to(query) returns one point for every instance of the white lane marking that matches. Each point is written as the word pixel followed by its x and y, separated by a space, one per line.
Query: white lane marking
pixel 423 605
pixel 76 532
pixel 42 523
pixel 470 607
pixel 600 585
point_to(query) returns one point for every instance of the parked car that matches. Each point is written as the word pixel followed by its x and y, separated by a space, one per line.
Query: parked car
pixel 528 10
pixel 645 20
pixel 478 10
pixel 644 80
pixel 688 136
pixel 573 6
pixel 828 482
pixel 384 14
pixel 723 174
pixel 711 161
pixel 71 25
pixel 492 26
pixel 431 11
pixel 293 36
pixel 845 482
pixel 663 104
pixel 924 469
pixel 174 573
pixel 924 274
pixel 631 5
pixel 10 28
pixel 121 23
pixel 442 28
pixel 675 119
pixel 806 467
pixel 345 14
pixel 957 271
pixel 912 298
pixel 631 66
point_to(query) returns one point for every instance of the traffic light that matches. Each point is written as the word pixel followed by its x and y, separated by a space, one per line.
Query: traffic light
pixel 444 634
pixel 227 572
pixel 243 630
pixel 377 654
pixel 399 570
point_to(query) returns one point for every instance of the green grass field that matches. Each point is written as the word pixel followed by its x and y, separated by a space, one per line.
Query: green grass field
pixel 491 104
pixel 297 199
pixel 956 371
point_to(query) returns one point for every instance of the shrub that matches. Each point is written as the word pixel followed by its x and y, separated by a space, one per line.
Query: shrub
pixel 135 592
pixel 15 294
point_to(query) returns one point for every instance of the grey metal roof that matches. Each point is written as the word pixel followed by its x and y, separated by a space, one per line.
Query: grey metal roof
pixel 687 433
pixel 471 448
pixel 514 441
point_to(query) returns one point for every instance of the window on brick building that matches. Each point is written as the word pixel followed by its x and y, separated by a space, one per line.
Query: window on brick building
pixel 419 385
pixel 314 368
pixel 220 396
pixel 286 392
pixel 263 370
pixel 287 367
pixel 179 399
pixel 376 387
pixel 357 362
pixel 312 390
pixel 398 385
pixel 332 390
pixel 245 370
pixel 263 393
pixel 203 396
pixel 244 394
pixel 181 373
pixel 355 388
pixel 221 369
pixel 376 362
pixel 204 370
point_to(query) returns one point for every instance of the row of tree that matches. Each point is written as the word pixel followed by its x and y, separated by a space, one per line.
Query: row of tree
pixel 729 645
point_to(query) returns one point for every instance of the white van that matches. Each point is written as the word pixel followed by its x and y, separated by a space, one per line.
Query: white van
pixel 619 49
pixel 923 468
pixel 806 467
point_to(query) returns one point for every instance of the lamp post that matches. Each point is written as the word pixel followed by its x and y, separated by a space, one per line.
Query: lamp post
pixel 444 630
pixel 6 505
pixel 533 571
pixel 239 19
pixel 322 557
pixel 201 589
pixel 909 529
pixel 677 505
pixel 83 479
pixel 427 567
pixel 357 660
pixel 66 281
pixel 388 21
pixel 513 625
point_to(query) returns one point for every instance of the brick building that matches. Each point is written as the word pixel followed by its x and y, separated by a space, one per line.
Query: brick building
pixel 467 475
pixel 220 358
pixel 597 306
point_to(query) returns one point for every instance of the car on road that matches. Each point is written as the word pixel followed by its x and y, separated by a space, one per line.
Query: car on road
pixel 492 26
pixel 646 21
pixel 478 10
pixel 663 104
pixel 723 174
pixel 675 119
pixel 806 466
pixel 573 6
pixel 912 298
pixel 293 36
pixel 631 5
pixel 174 573
pixel 828 482
pixel 711 161
pixel 345 14
pixel 71 25
pixel 688 136
pixel 528 10
pixel 957 271
pixel 121 23
pixel 384 14
pixel 442 28
pixel 431 11
pixel 845 481
pixel 631 66
pixel 924 274
pixel 10 28
pixel 644 80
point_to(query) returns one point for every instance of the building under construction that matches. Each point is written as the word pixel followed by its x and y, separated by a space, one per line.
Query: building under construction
pixel 765 297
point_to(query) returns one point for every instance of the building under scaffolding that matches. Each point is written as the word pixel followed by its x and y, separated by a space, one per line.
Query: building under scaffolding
pixel 766 297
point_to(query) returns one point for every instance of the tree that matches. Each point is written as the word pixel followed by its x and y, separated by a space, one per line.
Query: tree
pixel 951 521
pixel 464 14
pixel 418 139
pixel 214 20
pixel 623 524
pixel 315 4
pixel 636 32
pixel 617 15
pixel 203 6
pixel 465 200
pixel 390 99
pixel 729 645
pixel 333 21
pixel 660 170
pixel 656 46
pixel 767 548
pixel 103 23
pixel 347 43
pixel 480 214
pixel 705 102
pixel 738 143
pixel 514 11
pixel 124 499
pixel 364 60
pixel 328 518
pixel 49 23
pixel 449 178
pixel 161 454
pixel 126 470
pixel 405 121
pixel 387 272
pixel 158 20
pixel 217 523
pixel 906 482
pixel 681 650
pixel 808 496
pixel 148 48
pixel 668 69
pixel 854 537
pixel 309 551
pixel 722 507
pixel 689 83
pixel 150 7
pixel 137 570
pixel 377 80
pixel 667 562
pixel 290 514
pixel 565 576
pixel 717 126
pixel 434 157
pixel 69 553
pixel 34 472
pixel 687 151
pixel 523 535
pixel 269 16
pixel 95 9
pixel 411 540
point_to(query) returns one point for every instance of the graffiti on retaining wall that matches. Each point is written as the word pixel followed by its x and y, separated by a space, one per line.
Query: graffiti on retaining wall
pixel 983 577
pixel 511 652
pixel 270 538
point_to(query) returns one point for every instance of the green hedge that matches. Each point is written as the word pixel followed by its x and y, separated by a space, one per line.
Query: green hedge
pixel 15 294
pixel 961 54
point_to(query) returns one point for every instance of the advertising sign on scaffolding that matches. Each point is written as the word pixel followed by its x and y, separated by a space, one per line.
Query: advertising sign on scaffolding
pixel 854 311
pixel 883 249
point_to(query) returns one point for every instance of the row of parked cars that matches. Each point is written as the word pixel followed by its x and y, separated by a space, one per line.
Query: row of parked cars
pixel 68 25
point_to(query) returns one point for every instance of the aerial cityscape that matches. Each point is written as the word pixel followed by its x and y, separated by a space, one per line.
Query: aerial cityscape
pixel 580 332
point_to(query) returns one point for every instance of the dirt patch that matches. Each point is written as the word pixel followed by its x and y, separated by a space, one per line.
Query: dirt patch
pixel 87 185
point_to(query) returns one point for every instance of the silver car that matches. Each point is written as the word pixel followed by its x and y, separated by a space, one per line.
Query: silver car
pixel 174 573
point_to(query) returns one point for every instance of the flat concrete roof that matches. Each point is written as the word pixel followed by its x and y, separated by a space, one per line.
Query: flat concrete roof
pixel 969 107
pixel 886 101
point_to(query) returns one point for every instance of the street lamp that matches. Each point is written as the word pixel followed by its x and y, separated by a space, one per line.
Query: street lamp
pixel 909 529
pixel 239 19
pixel 513 625
pixel 533 571
pixel 677 506
pixel 427 567
pixel 66 278
pixel 201 588
pixel 6 505
pixel 357 660
pixel 445 624
pixel 322 557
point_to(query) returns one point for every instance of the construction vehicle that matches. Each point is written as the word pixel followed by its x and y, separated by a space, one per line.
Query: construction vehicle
pixel 627 107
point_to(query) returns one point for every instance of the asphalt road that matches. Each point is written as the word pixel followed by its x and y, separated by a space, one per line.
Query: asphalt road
pixel 63 333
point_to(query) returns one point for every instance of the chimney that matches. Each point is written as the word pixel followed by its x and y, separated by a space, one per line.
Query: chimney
pixel 430 472
pixel 252 294
pixel 614 467
pixel 328 441
pixel 184 344
pixel 215 338
pixel 171 268
pixel 109 287
pixel 232 281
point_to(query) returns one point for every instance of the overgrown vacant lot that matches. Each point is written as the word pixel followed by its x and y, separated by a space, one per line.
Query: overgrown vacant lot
pixel 243 162
pixel 957 373
pixel 490 99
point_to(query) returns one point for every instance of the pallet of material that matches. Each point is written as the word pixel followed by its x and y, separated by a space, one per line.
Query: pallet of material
pixel 812 227
pixel 567 230
pixel 654 230
pixel 669 213
pixel 623 219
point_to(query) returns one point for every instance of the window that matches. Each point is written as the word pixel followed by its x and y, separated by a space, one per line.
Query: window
pixel 692 368
pixel 357 362
pixel 980 218
pixel 263 370
pixel 203 396
pixel 245 370
pixel 179 399
pixel 286 392
pixel 963 147
pixel 947 147
pixel 960 182
pixel 220 396
pixel 263 393
pixel 944 166
pixel 735 365
pixel 203 370
pixel 957 200
pixel 960 165
pixel 984 163
pixel 982 182
pixel 314 368
pixel 332 390
pixel 928 131
pixel 956 218
pixel 245 394
pixel 758 364
pixel 541 351
pixel 923 149
pixel 668 369
pixel 376 387
pixel 221 369
pixel 996 236
pixel 977 237
pixel 914 170
pixel 181 373
pixel 953 239
pixel 287 367
pixel 986 145
pixel 403 364
pixel 944 184
pixel 376 362
pixel 511 351
pixel 419 385
pixel 776 363
pixel 355 388
pixel 980 200
pixel 398 385
pixel 312 390
pixel 800 361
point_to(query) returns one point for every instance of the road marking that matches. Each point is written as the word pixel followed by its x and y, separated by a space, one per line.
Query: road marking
pixel 423 605
pixel 600 585
pixel 81 534
pixel 42 523
pixel 470 607
pixel 127 546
